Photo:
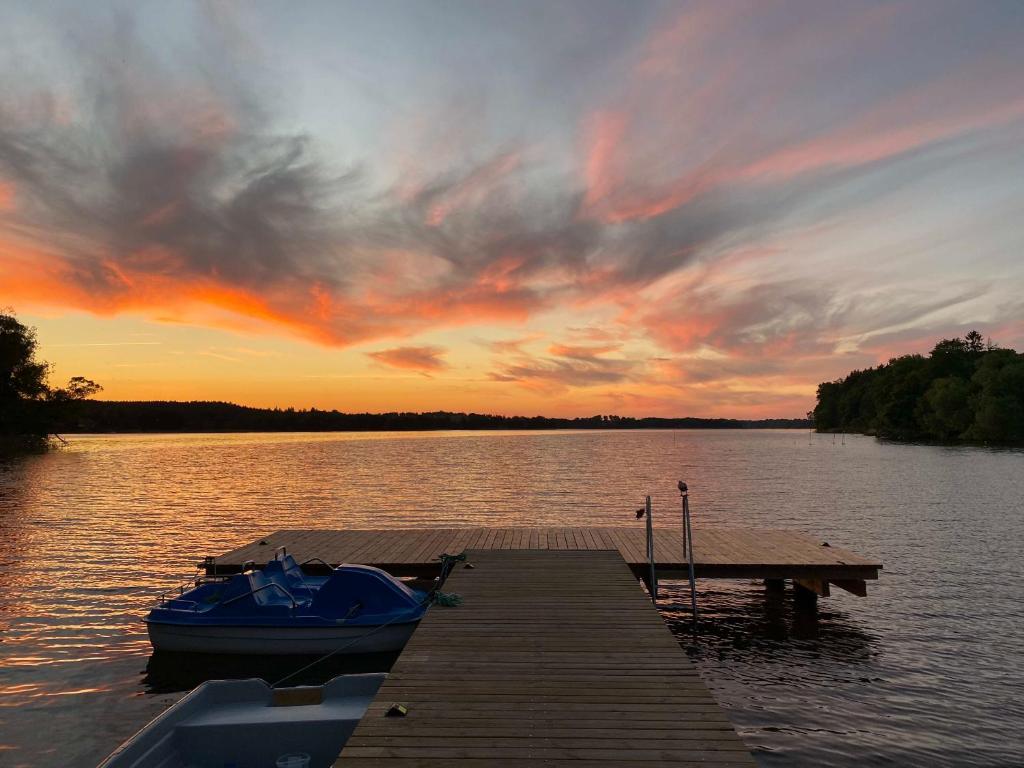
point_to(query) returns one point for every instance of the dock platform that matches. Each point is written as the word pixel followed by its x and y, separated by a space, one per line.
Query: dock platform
pixel 554 658
pixel 744 553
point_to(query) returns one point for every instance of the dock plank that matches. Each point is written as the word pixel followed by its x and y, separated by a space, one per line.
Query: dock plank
pixel 541 665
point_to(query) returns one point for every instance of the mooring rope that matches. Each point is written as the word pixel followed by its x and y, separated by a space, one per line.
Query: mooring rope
pixel 346 646
pixel 447 563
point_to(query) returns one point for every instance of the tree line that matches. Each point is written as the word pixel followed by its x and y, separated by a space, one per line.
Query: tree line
pixel 172 416
pixel 965 390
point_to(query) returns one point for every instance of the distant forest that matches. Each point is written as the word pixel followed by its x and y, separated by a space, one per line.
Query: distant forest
pixel 965 390
pixel 160 416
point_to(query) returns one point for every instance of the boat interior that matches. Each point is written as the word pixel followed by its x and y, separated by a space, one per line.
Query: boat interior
pixel 247 724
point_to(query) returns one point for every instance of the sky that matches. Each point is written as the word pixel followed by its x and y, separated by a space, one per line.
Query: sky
pixel 559 208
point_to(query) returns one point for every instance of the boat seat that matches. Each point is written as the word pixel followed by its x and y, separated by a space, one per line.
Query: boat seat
pixel 265 595
pixel 289 575
pixel 248 715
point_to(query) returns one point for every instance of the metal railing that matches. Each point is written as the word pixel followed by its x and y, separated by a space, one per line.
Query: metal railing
pixel 317 560
pixel 684 492
pixel 195 604
pixel 652 583
pixel 268 585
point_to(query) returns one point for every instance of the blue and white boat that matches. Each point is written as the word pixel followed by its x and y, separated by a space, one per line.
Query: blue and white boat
pixel 248 723
pixel 282 610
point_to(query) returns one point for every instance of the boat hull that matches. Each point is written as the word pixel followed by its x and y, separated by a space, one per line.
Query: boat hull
pixel 248 723
pixel 263 640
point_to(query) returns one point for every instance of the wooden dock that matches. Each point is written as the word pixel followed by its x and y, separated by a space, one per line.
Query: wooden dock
pixel 772 555
pixel 554 658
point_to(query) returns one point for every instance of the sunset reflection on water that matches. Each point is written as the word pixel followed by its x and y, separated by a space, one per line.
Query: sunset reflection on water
pixel 90 535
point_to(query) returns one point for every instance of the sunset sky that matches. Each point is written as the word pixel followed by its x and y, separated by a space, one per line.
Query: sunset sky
pixel 564 208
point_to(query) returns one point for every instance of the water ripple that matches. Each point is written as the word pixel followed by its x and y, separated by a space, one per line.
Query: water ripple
pixel 925 671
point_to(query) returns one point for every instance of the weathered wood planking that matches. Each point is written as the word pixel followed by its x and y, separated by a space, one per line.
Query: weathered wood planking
pixel 553 657
pixel 718 553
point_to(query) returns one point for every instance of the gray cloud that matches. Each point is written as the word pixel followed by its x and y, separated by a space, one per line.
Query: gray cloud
pixel 568 366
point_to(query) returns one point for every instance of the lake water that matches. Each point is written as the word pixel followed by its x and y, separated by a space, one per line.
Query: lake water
pixel 927 670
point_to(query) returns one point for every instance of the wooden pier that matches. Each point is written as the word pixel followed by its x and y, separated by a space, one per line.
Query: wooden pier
pixel 773 555
pixel 554 658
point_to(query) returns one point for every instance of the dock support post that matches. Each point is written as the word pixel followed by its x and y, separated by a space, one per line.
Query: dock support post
pixel 775 585
pixel 817 587
pixel 807 591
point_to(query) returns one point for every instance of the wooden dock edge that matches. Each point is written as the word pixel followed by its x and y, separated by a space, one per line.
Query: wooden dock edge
pixel 770 555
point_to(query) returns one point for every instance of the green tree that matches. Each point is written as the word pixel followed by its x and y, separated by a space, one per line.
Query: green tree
pixel 975 342
pixel 903 383
pixel 826 413
pixel 29 407
pixel 945 412
pixel 966 389
pixel 999 402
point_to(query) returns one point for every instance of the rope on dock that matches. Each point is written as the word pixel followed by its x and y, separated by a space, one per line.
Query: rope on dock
pixel 446 599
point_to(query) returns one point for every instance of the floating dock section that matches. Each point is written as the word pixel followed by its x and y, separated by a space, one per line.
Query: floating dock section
pixel 554 658
pixel 773 555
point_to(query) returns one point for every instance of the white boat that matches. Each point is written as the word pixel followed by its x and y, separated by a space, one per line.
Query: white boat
pixel 248 724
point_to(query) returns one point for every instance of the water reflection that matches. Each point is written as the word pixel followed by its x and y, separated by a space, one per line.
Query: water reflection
pixel 179 672
pixel 746 621
pixel 921 671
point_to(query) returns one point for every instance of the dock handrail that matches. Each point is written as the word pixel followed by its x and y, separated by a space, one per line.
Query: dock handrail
pixel 653 575
pixel 684 492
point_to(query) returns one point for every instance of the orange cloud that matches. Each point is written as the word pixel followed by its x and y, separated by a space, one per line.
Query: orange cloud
pixel 582 351
pixel 426 359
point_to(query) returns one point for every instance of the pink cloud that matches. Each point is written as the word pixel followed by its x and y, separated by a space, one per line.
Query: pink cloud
pixel 479 182
pixel 691 108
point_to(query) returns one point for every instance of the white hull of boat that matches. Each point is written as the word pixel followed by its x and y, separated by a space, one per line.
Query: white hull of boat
pixel 247 723
pixel 280 640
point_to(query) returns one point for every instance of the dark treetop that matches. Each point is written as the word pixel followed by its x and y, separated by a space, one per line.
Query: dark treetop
pixel 964 391
pixel 30 409
pixel 107 416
